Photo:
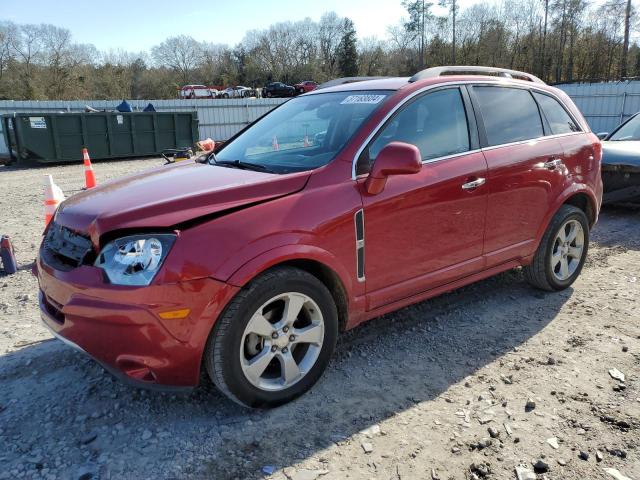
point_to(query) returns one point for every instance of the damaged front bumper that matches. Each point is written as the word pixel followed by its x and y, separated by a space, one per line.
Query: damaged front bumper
pixel 621 183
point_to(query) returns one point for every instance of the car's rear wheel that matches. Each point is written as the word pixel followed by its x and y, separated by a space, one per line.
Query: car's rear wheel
pixel 562 251
pixel 274 339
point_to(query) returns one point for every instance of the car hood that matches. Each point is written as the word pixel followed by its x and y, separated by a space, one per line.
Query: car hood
pixel 171 195
pixel 621 153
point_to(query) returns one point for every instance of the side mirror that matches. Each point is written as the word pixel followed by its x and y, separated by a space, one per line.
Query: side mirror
pixel 602 135
pixel 397 158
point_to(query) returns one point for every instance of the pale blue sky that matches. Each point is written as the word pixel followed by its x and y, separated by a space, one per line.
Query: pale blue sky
pixel 136 25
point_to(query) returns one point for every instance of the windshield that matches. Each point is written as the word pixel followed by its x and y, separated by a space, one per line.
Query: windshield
pixel 628 131
pixel 304 133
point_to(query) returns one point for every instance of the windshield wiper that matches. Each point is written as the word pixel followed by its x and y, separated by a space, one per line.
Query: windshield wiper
pixel 243 165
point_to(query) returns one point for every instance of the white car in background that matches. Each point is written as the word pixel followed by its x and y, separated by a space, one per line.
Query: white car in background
pixel 237 92
pixel 197 91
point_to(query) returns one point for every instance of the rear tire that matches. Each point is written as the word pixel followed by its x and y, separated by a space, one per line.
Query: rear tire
pixel 562 251
pixel 274 339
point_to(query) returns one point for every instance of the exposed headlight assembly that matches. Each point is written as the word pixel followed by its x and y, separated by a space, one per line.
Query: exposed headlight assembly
pixel 134 260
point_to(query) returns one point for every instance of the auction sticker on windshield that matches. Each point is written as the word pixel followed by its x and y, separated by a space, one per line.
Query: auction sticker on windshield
pixel 351 99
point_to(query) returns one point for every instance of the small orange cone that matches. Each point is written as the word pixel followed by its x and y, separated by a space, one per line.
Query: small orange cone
pixel 274 143
pixel 306 141
pixel 89 176
pixel 53 196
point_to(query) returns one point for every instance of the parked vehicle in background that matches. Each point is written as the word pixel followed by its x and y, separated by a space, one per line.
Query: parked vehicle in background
pixel 197 91
pixel 306 86
pixel 278 89
pixel 237 92
pixel 621 162
pixel 336 207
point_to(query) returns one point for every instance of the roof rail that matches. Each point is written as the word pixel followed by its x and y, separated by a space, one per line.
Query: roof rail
pixel 343 80
pixel 473 70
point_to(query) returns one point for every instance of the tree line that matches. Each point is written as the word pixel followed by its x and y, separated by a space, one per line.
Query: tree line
pixel 558 40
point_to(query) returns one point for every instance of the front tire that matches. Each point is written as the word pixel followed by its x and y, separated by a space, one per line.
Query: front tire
pixel 274 339
pixel 562 251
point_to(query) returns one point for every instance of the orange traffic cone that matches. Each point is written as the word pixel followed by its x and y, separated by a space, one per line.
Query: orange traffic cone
pixel 306 141
pixel 52 197
pixel 7 256
pixel 274 143
pixel 89 176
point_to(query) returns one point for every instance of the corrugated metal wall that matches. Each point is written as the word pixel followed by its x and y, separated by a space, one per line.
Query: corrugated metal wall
pixel 605 105
pixel 218 119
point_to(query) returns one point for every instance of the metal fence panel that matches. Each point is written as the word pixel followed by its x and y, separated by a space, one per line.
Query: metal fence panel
pixel 605 105
pixel 218 119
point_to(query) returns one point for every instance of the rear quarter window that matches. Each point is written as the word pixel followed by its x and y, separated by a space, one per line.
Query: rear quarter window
pixel 557 117
pixel 509 114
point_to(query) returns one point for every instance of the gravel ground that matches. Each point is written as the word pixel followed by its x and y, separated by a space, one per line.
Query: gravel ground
pixel 468 385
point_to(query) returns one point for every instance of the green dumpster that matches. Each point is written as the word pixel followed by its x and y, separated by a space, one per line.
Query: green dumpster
pixel 60 137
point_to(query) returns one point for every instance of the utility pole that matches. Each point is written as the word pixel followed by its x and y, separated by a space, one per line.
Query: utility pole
pixel 422 27
pixel 544 39
pixel 453 10
pixel 625 46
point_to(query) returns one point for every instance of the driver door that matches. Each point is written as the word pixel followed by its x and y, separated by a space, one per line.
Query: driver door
pixel 427 229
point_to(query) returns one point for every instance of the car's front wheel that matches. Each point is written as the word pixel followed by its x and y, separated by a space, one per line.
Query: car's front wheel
pixel 562 251
pixel 274 339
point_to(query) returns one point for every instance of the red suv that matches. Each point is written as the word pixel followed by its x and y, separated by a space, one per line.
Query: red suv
pixel 306 86
pixel 336 207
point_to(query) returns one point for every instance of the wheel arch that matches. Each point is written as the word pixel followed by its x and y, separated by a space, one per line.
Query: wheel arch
pixel 579 197
pixel 312 260
pixel 330 279
pixel 585 203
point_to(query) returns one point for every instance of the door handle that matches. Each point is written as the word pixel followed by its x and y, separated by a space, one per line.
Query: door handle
pixel 553 164
pixel 473 184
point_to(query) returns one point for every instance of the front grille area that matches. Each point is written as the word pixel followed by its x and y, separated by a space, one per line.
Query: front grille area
pixel 64 249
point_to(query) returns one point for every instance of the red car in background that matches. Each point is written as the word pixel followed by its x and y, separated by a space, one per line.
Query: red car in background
pixel 336 207
pixel 306 86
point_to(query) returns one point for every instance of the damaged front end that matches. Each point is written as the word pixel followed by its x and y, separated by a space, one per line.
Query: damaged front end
pixel 621 183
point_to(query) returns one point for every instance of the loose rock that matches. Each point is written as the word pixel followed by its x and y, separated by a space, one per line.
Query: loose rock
pixel 616 474
pixel 541 466
pixel 367 447
pixel 524 473
pixel 553 441
pixel 530 405
pixel 616 374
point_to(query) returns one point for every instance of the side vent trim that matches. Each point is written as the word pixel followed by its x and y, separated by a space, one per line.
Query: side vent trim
pixel 359 224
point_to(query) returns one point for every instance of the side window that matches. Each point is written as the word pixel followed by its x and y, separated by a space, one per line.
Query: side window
pixel 509 114
pixel 558 118
pixel 436 123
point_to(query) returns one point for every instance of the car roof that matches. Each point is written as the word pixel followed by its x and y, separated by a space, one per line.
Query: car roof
pixel 434 76
pixel 398 83
pixel 388 83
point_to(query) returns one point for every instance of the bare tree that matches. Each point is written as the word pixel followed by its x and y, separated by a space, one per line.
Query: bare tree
pixel 181 53
pixel 330 32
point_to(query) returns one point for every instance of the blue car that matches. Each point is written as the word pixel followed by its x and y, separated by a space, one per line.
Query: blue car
pixel 621 162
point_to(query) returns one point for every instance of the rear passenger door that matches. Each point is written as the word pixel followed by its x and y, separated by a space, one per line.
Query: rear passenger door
pixel 525 169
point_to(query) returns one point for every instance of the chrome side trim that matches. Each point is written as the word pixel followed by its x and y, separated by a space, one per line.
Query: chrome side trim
pixel 537 139
pixel 503 82
pixel 358 222
pixel 438 159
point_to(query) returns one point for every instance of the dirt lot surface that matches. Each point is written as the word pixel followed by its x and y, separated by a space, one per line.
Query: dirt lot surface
pixel 435 391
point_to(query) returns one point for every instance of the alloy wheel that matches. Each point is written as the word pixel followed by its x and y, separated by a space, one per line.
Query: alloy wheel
pixel 567 250
pixel 282 341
